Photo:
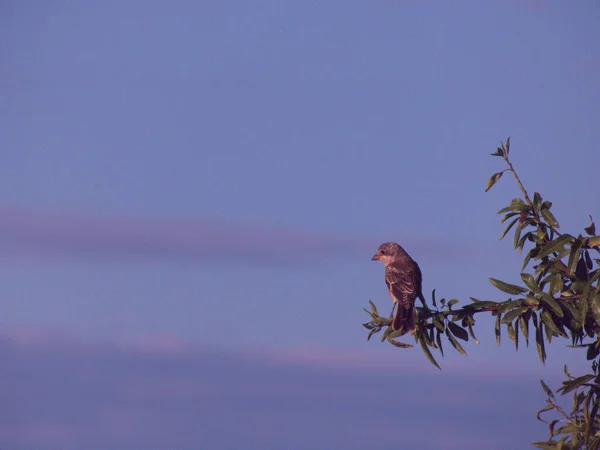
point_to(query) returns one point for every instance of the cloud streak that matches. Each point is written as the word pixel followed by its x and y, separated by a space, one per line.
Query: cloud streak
pixel 26 234
pixel 68 234
pixel 70 394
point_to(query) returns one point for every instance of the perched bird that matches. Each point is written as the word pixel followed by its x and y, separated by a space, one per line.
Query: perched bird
pixel 403 279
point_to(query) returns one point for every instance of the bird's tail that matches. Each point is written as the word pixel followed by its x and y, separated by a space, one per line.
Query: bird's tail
pixel 404 319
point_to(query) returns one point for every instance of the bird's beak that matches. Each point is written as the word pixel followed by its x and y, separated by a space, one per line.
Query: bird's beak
pixel 375 257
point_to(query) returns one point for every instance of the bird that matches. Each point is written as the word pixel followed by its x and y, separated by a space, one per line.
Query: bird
pixel 404 281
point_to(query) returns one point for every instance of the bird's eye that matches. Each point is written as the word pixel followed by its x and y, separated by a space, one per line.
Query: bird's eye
pixel 382 252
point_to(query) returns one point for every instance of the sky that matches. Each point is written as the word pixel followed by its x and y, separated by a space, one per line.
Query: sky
pixel 191 193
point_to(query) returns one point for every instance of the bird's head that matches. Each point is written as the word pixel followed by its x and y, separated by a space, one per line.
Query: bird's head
pixel 387 252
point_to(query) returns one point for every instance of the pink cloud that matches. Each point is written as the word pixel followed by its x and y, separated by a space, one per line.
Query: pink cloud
pixel 531 5
pixel 161 344
pixel 38 434
pixel 375 359
pixel 72 394
pixel 382 358
pixel 27 234
pixel 37 336
pixel 590 67
pixel 31 235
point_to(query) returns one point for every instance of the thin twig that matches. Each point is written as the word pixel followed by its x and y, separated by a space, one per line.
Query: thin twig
pixel 510 167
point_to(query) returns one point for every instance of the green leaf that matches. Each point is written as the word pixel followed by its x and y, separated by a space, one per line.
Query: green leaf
pixel 577 401
pixel 592 352
pixel 458 331
pixel 539 340
pixel 438 322
pixel 507 146
pixel 428 354
pixel 483 303
pixel 547 408
pixel 382 321
pixel 591 230
pixel 373 308
pixel 554 246
pixel 551 426
pixel 497 328
pixel 537 202
pixel 510 225
pixel 594 411
pixel 508 288
pixel 526 237
pixel 452 302
pixel 509 305
pixel 510 330
pixel 549 333
pixel 545 445
pixel 549 322
pixel 424 336
pixel 574 256
pixel 546 389
pixel 530 283
pixel 433 298
pixel 531 301
pixel 518 230
pixel 472 334
pixel 371 333
pixel 508 216
pixel 456 345
pixel 593 241
pixel 498 152
pixel 575 383
pixel 588 260
pixel 431 337
pixel 438 340
pixel 530 254
pixel 549 218
pixel 398 343
pixel 562 442
pixel 515 205
pixel 513 314
pixel 567 373
pixel 524 325
pixel 581 271
pixel 556 283
pixel 386 333
pixel 552 304
pixel 492 181
pixel 395 334
pixel 582 308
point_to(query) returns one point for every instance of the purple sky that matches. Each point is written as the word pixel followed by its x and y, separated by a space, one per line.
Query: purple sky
pixel 216 175
pixel 63 393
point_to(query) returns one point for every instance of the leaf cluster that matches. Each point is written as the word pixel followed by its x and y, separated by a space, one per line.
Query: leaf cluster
pixel 558 297
pixel 580 427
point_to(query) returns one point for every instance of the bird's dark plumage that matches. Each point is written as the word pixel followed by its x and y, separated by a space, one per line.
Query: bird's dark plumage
pixel 404 280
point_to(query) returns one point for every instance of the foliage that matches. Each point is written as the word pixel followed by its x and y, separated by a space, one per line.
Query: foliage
pixel 559 298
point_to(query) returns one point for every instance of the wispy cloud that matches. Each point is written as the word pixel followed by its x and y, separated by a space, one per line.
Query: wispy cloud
pixel 531 5
pixel 80 395
pixel 28 233
pixel 330 359
pixel 54 234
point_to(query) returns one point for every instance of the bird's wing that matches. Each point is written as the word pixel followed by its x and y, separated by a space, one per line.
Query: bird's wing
pixel 419 282
pixel 402 284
